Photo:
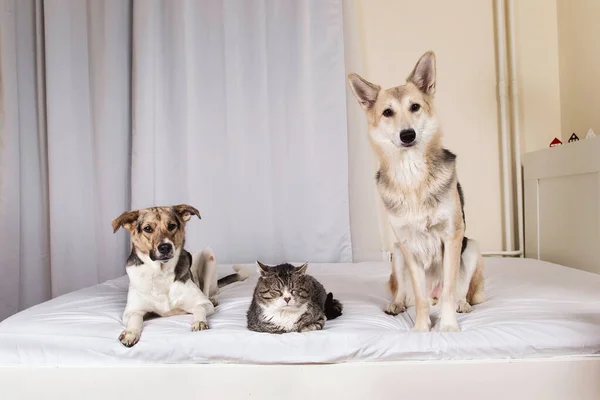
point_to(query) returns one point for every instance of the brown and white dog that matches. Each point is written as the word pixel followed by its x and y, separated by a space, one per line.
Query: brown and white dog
pixel 418 185
pixel 164 278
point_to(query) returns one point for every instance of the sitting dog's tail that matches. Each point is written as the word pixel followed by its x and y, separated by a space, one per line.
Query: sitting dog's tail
pixel 240 275
pixel 333 308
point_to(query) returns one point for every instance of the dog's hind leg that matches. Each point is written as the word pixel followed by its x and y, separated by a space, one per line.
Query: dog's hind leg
pixel 469 262
pixel 476 293
pixel 397 283
pixel 208 268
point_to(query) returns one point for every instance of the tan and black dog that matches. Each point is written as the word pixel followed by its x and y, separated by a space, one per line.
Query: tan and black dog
pixel 418 185
pixel 164 278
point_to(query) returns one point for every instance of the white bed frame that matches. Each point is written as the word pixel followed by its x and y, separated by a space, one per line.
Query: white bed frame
pixel 548 379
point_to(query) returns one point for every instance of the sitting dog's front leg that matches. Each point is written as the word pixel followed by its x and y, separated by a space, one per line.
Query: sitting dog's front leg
pixel 451 265
pixel 134 321
pixel 417 275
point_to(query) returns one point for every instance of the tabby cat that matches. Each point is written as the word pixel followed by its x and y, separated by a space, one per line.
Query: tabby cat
pixel 286 299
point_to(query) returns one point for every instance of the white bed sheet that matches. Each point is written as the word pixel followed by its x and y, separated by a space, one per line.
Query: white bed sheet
pixel 534 309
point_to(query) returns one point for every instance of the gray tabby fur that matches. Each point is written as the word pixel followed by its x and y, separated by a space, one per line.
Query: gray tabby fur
pixel 309 304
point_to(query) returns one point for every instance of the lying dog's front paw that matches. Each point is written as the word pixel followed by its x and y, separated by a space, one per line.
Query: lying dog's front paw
pixel 199 326
pixel 214 301
pixel 463 307
pixel 129 338
pixel 394 309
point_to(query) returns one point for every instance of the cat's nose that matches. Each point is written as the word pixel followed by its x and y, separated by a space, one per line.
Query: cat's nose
pixel 287 299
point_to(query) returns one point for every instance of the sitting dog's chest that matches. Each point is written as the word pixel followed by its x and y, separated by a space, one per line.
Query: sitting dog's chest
pixel 419 224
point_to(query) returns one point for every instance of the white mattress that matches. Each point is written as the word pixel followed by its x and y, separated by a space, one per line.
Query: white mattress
pixel 534 309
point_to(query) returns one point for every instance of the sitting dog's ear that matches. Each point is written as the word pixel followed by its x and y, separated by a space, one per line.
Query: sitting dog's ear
pixel 365 92
pixel 126 220
pixel 423 75
pixel 185 212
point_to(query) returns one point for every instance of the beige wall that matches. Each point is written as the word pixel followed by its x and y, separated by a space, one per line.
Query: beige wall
pixel 578 36
pixel 390 37
pixel 537 72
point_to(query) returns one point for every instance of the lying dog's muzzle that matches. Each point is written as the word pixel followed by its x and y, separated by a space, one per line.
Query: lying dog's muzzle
pixel 164 251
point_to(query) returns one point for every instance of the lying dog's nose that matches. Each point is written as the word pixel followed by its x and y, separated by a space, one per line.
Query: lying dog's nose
pixel 165 248
pixel 407 136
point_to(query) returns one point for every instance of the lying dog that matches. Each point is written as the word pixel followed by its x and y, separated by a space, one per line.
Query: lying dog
pixel 163 277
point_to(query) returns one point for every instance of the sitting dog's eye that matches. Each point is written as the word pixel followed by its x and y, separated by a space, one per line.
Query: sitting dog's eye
pixel 388 112
pixel 148 229
pixel 171 226
pixel 415 107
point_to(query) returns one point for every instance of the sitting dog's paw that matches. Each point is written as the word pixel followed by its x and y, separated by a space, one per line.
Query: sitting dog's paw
pixel 452 327
pixel 394 309
pixel 311 327
pixel 463 307
pixel 129 338
pixel 214 301
pixel 199 326
pixel 422 327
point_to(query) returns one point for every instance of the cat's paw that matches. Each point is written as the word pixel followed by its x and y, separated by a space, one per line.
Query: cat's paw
pixel 394 309
pixel 311 327
pixel 129 337
pixel 463 307
pixel 199 326
pixel 433 301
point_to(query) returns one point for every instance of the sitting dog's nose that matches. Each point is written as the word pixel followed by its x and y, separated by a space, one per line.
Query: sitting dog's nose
pixel 165 248
pixel 287 299
pixel 407 136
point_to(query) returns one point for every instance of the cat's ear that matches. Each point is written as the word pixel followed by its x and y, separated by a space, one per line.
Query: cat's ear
pixel 302 269
pixel 262 268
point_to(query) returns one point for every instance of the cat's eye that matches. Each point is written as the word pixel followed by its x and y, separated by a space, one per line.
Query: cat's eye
pixel 171 226
pixel 388 112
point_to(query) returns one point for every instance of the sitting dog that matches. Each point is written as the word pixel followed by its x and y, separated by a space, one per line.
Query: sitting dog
pixel 418 185
pixel 163 277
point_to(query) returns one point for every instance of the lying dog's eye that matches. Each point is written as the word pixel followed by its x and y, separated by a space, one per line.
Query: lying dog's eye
pixel 388 112
pixel 171 226
pixel 148 229
pixel 415 107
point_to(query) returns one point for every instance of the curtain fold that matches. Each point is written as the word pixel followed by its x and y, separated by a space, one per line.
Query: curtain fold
pixel 236 107
pixel 239 109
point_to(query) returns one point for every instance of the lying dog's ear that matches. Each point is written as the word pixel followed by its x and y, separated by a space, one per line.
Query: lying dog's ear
pixel 126 220
pixel 262 268
pixel 185 212
pixel 366 92
pixel 423 76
